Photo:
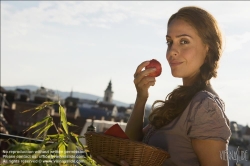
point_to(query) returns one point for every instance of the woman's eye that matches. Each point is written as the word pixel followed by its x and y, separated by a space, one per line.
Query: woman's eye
pixel 184 42
pixel 168 42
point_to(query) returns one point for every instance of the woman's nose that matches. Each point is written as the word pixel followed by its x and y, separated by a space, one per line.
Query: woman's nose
pixel 172 52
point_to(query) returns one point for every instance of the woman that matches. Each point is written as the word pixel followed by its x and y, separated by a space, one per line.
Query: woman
pixel 190 124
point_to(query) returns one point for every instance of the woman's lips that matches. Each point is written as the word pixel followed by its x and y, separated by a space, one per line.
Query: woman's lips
pixel 175 63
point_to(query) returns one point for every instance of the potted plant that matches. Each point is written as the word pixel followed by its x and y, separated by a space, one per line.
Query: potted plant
pixel 61 148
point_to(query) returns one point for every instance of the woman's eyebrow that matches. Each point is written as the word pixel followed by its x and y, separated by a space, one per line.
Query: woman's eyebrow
pixel 183 35
pixel 167 36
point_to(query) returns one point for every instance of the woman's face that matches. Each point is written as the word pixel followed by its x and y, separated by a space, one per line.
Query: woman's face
pixel 186 52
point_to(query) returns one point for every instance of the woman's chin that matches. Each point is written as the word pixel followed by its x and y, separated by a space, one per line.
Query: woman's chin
pixel 177 75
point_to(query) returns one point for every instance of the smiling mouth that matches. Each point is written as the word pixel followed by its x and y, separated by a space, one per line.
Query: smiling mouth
pixel 175 64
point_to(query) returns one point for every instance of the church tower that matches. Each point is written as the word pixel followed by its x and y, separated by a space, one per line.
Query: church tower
pixel 108 93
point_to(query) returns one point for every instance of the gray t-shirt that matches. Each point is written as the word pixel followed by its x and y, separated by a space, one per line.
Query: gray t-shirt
pixel 204 118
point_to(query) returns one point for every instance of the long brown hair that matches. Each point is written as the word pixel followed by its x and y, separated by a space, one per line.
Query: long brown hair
pixel 163 112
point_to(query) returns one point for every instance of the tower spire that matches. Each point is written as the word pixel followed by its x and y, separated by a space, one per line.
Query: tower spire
pixel 71 93
pixel 108 93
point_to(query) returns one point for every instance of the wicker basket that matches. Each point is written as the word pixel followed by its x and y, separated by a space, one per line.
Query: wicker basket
pixel 115 149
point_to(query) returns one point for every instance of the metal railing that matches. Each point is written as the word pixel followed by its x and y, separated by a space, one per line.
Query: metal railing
pixel 19 138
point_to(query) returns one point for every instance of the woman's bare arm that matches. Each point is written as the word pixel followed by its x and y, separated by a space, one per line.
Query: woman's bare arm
pixel 209 152
pixel 135 122
pixel 142 83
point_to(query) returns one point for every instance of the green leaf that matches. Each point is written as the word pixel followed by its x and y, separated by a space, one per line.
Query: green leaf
pixel 37 130
pixel 76 135
pixel 45 104
pixel 11 139
pixel 43 144
pixel 71 151
pixel 27 110
pixel 49 121
pixel 46 128
pixel 40 107
pixel 39 123
pixel 26 146
pixel 54 136
pixel 71 146
pixel 31 145
pixel 77 140
pixel 62 149
pixel 70 124
pixel 52 146
pixel 63 119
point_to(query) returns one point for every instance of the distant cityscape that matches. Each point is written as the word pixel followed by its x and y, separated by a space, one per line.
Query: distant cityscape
pixel 15 100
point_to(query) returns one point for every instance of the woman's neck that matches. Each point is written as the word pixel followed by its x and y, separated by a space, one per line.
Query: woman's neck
pixel 190 80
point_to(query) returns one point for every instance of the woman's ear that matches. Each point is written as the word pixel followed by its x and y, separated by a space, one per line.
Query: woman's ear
pixel 206 56
pixel 207 49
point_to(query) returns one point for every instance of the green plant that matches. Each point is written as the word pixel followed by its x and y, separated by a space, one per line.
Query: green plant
pixel 56 150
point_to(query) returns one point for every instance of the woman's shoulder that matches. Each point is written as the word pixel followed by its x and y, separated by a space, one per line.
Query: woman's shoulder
pixel 206 105
pixel 205 95
pixel 207 117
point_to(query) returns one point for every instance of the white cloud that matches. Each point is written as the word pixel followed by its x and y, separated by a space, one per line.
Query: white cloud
pixel 232 11
pixel 235 42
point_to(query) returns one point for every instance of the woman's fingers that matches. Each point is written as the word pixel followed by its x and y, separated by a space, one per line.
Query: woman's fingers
pixel 146 82
pixel 142 81
pixel 139 76
pixel 140 67
pixel 142 74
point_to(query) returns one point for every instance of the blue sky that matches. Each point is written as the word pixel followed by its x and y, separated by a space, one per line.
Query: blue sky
pixel 82 45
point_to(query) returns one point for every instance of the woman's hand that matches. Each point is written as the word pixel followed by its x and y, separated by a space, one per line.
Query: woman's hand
pixel 104 162
pixel 142 81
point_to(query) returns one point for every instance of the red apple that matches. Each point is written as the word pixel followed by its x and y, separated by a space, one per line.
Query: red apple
pixel 154 64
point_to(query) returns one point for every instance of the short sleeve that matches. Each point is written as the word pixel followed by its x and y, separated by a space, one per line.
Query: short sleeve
pixel 209 120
